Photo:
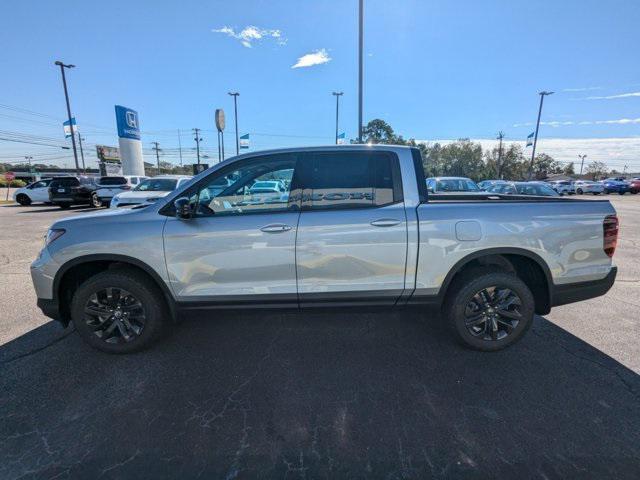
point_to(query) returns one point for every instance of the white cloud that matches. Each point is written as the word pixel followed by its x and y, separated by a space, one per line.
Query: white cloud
pixel 617 121
pixel 310 59
pixel 250 34
pixel 615 152
pixel 611 97
pixel 581 89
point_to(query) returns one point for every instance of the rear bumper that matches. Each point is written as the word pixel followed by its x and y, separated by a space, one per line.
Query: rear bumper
pixel 576 292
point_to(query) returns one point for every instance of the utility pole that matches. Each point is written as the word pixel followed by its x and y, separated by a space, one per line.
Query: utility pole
pixel 337 95
pixel 535 139
pixel 157 150
pixel 360 58
pixel 235 108
pixel 66 96
pixel 196 131
pixel 581 157
pixel 84 169
pixel 499 166
pixel 180 147
pixel 624 170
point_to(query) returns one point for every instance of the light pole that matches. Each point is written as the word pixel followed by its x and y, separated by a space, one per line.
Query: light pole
pixel 337 95
pixel 84 168
pixel 499 166
pixel 235 109
pixel 360 57
pixel 66 96
pixel 581 157
pixel 535 138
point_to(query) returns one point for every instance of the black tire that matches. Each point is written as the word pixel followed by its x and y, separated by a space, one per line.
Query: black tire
pixel 606 192
pixel 621 193
pixel 64 206
pixel 138 324
pixel 491 333
pixel 596 193
pixel 579 191
pixel 23 200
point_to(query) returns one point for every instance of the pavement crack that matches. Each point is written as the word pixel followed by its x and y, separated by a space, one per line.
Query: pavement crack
pixel 36 350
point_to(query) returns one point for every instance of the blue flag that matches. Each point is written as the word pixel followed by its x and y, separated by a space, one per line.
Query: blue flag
pixel 67 127
pixel 530 139
pixel 244 141
pixel 341 139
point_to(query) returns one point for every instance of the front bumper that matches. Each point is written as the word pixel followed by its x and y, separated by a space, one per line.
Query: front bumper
pixel 51 309
pixel 576 292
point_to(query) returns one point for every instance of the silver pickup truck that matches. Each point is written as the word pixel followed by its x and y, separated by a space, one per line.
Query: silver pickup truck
pixel 352 226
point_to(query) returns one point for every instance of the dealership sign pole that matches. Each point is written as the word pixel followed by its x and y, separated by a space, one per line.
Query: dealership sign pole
pixel 129 141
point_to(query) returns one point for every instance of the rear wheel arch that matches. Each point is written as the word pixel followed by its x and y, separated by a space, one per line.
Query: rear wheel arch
pixel 526 265
pixel 76 271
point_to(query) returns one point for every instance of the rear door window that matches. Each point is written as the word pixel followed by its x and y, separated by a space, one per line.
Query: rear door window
pixel 112 181
pixel 335 180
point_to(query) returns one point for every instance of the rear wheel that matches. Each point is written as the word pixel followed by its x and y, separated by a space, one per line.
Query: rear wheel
pixel 489 310
pixel 23 200
pixel 621 192
pixel 579 191
pixel 95 201
pixel 119 311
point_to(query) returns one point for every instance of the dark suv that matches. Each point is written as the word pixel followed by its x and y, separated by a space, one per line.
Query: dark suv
pixel 67 191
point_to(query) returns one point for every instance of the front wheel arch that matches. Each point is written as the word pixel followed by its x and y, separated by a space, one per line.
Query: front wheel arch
pixel 73 273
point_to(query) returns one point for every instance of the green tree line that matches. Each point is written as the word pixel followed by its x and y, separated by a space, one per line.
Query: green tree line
pixel 464 158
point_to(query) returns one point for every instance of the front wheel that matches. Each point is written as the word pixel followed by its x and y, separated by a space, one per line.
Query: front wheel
pixel 621 193
pixel 579 191
pixel 119 311
pixel 95 201
pixel 23 200
pixel 489 310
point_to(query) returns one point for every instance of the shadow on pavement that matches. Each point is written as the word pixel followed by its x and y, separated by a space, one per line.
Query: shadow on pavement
pixel 316 395
pixel 49 208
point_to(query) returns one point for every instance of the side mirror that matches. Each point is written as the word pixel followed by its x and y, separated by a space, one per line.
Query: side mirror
pixel 183 208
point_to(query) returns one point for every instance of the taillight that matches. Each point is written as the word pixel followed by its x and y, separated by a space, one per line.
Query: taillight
pixel 610 237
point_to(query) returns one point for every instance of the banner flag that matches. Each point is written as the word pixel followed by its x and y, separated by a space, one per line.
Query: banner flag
pixel 530 139
pixel 341 139
pixel 67 127
pixel 244 141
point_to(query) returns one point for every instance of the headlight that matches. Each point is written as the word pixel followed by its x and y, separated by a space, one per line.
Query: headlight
pixel 52 235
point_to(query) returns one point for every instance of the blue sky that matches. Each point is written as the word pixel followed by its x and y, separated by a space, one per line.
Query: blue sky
pixel 433 69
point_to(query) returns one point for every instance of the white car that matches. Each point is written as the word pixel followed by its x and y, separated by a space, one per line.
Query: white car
pixel 587 186
pixel 149 190
pixel 563 187
pixel 109 187
pixel 36 192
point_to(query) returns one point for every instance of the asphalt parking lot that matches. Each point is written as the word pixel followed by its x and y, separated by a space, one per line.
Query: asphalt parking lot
pixel 320 395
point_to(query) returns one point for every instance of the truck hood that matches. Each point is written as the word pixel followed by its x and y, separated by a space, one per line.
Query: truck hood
pixel 98 216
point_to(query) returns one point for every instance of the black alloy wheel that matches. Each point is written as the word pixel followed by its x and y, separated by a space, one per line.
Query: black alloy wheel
pixel 115 315
pixel 493 313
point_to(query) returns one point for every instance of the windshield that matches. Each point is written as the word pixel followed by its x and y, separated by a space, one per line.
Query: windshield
pixel 535 189
pixel 456 185
pixel 157 185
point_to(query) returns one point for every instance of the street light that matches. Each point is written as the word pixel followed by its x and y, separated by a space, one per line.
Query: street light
pixel 581 157
pixel 337 95
pixel 66 96
pixel 535 139
pixel 235 108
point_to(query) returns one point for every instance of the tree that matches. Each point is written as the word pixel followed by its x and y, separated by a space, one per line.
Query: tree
pixel 378 131
pixel 544 165
pixel 569 170
pixel 597 170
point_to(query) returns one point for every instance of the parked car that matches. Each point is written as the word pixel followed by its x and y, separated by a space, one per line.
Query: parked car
pixel 35 192
pixel 110 186
pixel 563 187
pixel 485 184
pixel 634 185
pixel 524 188
pixel 149 191
pixel 67 191
pixel 451 185
pixel 616 185
pixel 587 186
pixel 358 229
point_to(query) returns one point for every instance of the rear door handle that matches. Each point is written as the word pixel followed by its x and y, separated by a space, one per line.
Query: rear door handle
pixel 386 222
pixel 276 228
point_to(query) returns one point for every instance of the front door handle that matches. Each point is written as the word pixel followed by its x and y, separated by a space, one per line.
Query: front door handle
pixel 386 222
pixel 276 228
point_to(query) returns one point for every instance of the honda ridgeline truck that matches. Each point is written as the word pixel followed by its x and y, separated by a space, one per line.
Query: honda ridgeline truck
pixel 354 226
